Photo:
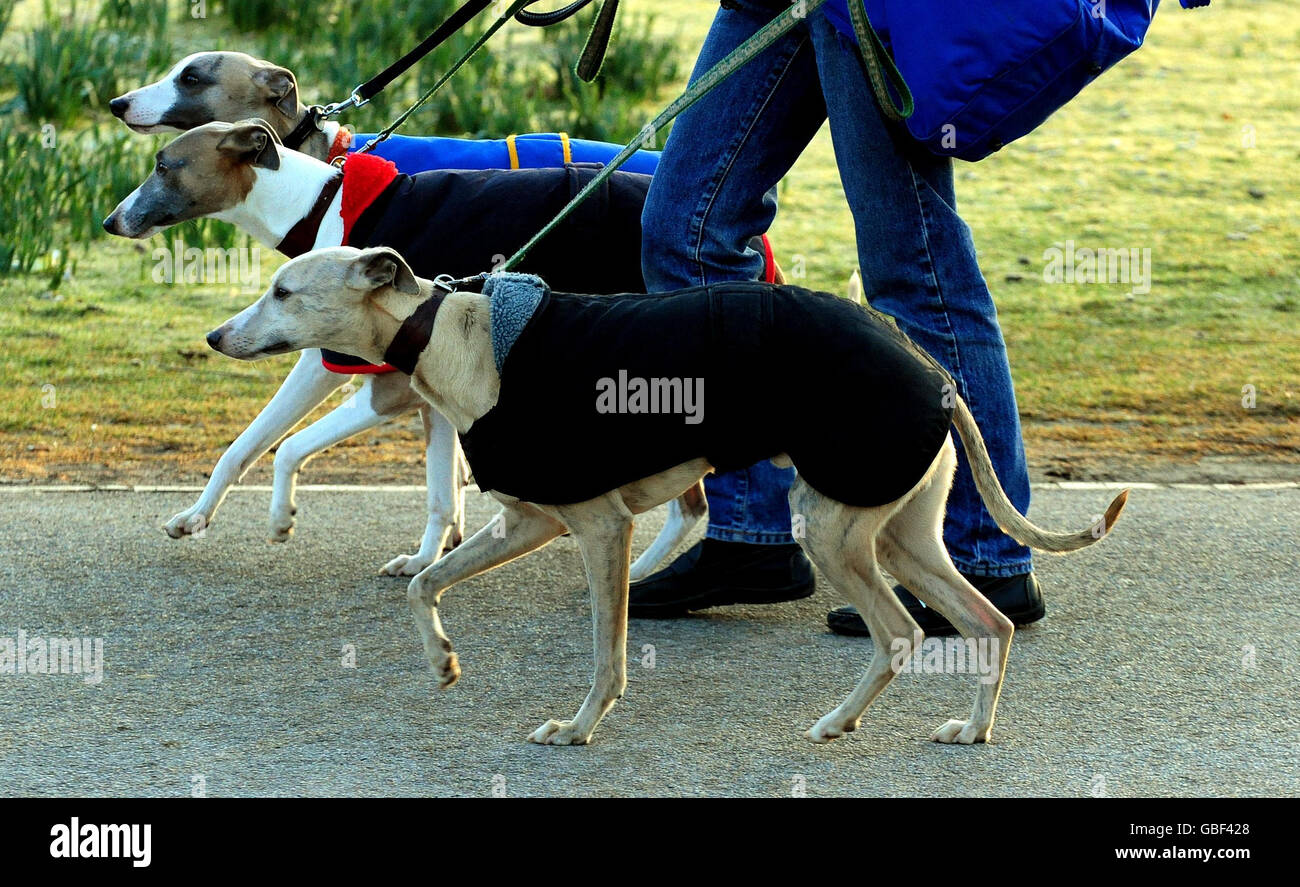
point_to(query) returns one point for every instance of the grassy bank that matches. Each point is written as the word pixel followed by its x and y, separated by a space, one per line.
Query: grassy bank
pixel 1188 149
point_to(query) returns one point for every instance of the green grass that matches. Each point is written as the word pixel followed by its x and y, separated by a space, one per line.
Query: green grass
pixel 1153 155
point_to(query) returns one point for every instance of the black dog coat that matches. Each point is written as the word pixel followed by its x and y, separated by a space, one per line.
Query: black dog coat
pixel 441 224
pixel 860 410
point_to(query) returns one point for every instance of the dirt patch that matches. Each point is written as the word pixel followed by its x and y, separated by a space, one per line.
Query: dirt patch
pixel 394 456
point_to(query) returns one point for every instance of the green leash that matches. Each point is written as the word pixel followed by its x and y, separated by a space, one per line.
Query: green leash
pixel 881 70
pixel 879 67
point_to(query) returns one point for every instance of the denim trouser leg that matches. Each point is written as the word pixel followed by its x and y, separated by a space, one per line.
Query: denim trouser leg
pixel 714 189
pixel 918 264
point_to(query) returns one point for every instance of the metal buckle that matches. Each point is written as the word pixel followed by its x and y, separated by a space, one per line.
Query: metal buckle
pixel 353 101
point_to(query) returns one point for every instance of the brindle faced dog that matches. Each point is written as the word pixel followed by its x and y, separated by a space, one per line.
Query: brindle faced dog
pixel 359 302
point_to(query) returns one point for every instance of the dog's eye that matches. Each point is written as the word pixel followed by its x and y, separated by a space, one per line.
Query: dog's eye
pixel 280 293
pixel 160 168
pixel 189 79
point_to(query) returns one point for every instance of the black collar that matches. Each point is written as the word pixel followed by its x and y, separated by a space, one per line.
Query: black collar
pixel 302 236
pixel 413 335
pixel 309 124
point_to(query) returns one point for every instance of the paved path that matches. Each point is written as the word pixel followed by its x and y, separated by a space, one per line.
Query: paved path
pixel 1168 665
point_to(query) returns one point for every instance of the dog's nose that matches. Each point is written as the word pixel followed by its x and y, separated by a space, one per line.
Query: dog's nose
pixel 214 340
pixel 110 223
pixel 118 106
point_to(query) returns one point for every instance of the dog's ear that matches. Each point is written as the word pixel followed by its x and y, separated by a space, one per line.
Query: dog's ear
pixel 252 141
pixel 278 88
pixel 382 266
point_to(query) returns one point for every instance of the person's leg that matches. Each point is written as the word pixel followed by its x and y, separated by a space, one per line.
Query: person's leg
pixel 918 265
pixel 715 189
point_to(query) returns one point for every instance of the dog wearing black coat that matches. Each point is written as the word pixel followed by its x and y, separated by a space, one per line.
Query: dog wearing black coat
pixel 464 350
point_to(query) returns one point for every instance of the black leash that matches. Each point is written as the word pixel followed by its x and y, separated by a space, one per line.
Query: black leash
pixel 588 67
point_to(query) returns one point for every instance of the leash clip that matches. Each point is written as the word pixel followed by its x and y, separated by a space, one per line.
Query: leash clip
pixel 449 284
pixel 353 101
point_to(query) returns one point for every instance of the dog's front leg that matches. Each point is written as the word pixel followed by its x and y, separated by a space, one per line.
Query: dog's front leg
pixel 604 535
pixel 307 385
pixel 445 527
pixel 370 405
pixel 516 530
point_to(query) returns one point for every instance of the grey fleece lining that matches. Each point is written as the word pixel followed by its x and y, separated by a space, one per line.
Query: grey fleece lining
pixel 513 299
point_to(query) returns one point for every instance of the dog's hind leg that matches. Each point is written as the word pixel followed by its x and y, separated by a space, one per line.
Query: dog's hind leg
pixel 603 530
pixel 306 387
pixel 841 541
pixel 516 530
pixel 445 527
pixel 911 548
pixel 684 513
pixel 379 399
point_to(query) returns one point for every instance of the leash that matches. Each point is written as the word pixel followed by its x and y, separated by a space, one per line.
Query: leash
pixel 588 66
pixel 514 8
pixel 880 68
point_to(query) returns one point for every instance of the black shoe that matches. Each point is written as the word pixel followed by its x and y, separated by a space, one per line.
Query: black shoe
pixel 1018 597
pixel 714 573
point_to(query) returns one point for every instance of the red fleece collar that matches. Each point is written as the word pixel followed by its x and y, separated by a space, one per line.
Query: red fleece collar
pixel 365 177
pixel 339 148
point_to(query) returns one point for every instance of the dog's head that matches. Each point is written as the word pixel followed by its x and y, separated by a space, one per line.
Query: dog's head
pixel 200 173
pixel 323 299
pixel 212 86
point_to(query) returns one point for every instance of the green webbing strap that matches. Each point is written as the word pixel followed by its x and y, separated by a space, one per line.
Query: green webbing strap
pixel 881 70
pixel 736 60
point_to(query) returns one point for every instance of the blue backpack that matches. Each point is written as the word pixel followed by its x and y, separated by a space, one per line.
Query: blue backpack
pixel 968 78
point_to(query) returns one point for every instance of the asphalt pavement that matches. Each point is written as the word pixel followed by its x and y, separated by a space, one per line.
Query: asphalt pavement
pixel 1168 664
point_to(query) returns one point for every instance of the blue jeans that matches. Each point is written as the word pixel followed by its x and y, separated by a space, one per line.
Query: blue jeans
pixel 716 187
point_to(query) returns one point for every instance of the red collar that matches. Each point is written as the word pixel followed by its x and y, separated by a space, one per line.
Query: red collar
pixel 342 141
pixel 364 178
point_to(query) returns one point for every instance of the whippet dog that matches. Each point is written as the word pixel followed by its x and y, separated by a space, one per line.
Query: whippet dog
pixel 372 304
pixel 241 174
pixel 225 87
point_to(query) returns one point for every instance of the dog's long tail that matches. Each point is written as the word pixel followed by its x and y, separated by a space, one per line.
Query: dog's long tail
pixel 1012 522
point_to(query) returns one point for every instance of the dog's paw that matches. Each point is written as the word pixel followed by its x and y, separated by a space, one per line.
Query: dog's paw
pixel 829 728
pixel 960 733
pixel 447 672
pixel 282 523
pixel 406 564
pixel 187 523
pixel 558 733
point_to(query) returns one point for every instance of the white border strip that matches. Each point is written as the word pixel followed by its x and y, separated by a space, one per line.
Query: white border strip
pixel 400 488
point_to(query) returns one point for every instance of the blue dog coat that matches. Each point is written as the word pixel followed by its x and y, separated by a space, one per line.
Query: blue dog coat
pixel 537 150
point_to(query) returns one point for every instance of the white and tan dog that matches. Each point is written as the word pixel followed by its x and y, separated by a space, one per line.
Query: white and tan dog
pixel 356 301
pixel 239 173
pixel 225 87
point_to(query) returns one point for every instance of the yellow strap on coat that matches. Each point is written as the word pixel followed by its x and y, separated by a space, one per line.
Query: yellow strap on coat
pixel 514 152
pixel 568 151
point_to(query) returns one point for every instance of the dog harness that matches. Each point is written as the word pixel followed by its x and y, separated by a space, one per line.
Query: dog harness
pixel 600 391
